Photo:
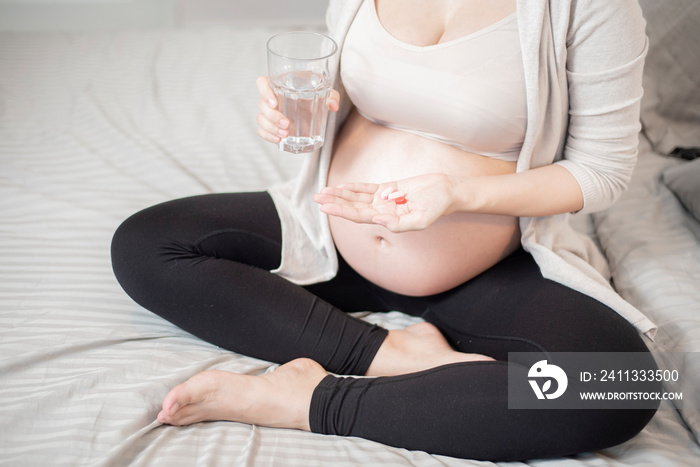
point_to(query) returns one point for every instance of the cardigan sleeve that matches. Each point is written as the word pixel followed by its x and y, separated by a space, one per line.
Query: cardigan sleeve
pixel 606 46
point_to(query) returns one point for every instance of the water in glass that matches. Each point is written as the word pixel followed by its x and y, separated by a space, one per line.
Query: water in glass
pixel 303 98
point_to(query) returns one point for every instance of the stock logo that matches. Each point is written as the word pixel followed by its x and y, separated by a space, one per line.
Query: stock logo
pixel 542 371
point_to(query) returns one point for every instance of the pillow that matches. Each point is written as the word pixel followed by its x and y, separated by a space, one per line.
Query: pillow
pixel 684 181
pixel 670 108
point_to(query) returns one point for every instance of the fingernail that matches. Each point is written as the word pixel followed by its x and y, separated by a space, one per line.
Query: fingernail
pixel 272 102
pixel 282 133
pixel 284 123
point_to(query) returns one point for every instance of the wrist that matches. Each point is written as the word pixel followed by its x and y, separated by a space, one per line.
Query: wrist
pixel 460 193
pixel 471 194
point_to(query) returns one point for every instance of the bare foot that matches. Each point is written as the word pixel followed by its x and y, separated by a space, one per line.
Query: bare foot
pixel 418 347
pixel 278 399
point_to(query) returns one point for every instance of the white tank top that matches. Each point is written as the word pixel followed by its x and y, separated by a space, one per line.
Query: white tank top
pixel 468 92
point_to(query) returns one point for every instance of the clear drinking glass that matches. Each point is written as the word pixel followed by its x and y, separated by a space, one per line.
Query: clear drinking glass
pixel 301 69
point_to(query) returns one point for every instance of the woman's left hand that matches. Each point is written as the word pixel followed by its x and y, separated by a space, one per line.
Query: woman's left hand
pixel 427 197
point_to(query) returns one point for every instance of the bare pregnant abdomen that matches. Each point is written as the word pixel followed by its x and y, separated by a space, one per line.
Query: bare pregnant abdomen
pixel 449 252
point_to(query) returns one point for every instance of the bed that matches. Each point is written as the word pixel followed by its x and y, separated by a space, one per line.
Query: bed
pixel 95 126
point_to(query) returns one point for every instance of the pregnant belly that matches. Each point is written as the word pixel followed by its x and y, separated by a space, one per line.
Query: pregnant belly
pixel 449 252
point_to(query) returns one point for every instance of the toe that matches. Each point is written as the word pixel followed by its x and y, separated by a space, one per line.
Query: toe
pixel 162 417
pixel 188 415
pixel 176 398
pixel 197 389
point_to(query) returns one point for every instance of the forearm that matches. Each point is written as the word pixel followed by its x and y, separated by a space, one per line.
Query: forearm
pixel 543 191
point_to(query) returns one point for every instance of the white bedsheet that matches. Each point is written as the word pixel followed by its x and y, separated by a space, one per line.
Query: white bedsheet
pixel 94 127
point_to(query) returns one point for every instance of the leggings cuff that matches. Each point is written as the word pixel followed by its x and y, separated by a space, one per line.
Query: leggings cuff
pixel 373 341
pixel 319 401
pixel 325 392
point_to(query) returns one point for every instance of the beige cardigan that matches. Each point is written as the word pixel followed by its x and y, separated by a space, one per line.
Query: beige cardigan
pixel 583 63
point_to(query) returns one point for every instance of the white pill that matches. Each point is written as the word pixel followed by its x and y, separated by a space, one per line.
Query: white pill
pixel 397 194
pixel 385 193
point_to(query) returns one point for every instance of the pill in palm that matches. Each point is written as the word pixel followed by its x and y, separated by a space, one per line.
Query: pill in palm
pixel 397 194
pixel 401 200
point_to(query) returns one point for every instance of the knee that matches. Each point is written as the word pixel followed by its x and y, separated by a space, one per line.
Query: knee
pixel 570 432
pixel 614 427
pixel 124 248
pixel 134 246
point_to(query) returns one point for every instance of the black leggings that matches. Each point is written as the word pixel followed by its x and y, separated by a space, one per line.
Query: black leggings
pixel 203 263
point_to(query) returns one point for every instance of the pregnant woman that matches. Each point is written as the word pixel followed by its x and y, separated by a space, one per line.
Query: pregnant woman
pixel 496 119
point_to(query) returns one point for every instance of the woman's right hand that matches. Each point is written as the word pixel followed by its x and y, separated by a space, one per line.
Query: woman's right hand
pixel 273 126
